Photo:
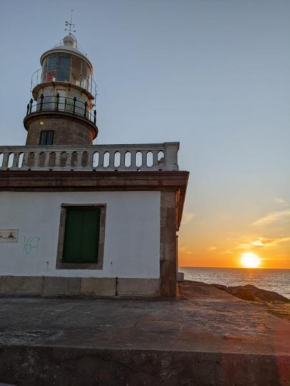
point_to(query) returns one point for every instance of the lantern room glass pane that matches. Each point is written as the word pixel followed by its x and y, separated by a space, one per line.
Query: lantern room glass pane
pixel 76 70
pixel 52 62
pixel 63 69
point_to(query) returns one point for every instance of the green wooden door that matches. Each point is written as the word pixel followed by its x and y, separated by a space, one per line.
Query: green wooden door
pixel 81 239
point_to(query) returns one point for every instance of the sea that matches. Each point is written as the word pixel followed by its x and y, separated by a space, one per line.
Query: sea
pixel 277 280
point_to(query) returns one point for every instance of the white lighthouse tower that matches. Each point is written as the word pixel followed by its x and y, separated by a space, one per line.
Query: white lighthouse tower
pixel 61 111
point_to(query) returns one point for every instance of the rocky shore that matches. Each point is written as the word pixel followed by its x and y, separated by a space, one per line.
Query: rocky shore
pixel 271 302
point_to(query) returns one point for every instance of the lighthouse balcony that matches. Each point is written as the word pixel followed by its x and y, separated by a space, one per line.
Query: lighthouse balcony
pixel 141 157
pixel 60 104
pixel 64 74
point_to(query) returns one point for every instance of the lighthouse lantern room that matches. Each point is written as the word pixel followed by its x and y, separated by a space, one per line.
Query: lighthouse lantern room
pixel 61 111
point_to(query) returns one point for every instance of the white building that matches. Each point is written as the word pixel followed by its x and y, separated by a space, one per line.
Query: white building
pixel 84 219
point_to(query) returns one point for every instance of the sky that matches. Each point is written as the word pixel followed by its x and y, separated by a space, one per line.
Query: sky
pixel 211 74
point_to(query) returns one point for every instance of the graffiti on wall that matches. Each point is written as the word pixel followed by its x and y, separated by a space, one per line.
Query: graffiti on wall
pixel 30 245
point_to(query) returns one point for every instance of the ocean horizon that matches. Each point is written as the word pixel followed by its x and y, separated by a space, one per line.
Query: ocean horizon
pixel 277 280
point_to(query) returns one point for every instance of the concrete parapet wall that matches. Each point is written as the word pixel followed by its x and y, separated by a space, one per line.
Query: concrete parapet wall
pixel 68 366
pixel 154 157
pixel 76 286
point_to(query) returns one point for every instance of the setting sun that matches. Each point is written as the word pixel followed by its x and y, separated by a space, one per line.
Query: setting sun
pixel 250 260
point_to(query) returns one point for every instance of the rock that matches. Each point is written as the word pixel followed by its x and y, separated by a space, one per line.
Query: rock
pixel 221 287
pixel 252 293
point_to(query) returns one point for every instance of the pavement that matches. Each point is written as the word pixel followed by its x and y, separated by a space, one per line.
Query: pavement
pixel 205 337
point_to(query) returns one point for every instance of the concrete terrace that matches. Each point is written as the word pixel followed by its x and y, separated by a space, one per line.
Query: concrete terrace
pixel 206 337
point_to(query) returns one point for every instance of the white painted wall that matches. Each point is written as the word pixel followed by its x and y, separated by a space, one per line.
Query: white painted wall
pixel 132 235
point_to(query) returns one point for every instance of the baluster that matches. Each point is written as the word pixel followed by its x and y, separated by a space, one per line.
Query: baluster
pixel 144 159
pixel 25 160
pixel 1 160
pixel 122 158
pixel 30 105
pixel 57 158
pixel 155 157
pixel 79 160
pixel 41 101
pixel 111 159
pixel 74 105
pixel 5 160
pixel 101 159
pixel 46 159
pixel 68 159
pixel 57 101
pixel 95 116
pixel 133 159
pixel 90 159
pixel 15 161
pixel 36 159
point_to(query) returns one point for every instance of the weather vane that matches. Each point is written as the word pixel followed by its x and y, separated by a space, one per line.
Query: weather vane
pixel 70 26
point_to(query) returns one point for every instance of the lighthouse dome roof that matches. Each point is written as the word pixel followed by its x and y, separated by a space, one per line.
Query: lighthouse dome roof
pixel 67 45
pixel 70 40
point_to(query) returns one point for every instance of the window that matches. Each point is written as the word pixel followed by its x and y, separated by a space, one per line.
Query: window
pixel 81 237
pixel 46 138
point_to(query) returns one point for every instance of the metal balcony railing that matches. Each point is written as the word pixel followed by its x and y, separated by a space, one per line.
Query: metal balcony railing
pixel 142 157
pixel 63 104
pixel 64 74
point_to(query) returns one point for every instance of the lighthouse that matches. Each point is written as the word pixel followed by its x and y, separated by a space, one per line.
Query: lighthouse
pixel 62 108
pixel 83 219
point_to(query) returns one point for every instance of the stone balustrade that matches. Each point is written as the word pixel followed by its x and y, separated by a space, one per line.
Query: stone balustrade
pixel 143 157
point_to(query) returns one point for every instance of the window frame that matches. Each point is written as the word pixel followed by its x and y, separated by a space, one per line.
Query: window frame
pixel 60 249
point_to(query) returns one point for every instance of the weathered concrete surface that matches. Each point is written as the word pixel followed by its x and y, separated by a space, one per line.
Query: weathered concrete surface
pixel 280 310
pixel 269 301
pixel 207 337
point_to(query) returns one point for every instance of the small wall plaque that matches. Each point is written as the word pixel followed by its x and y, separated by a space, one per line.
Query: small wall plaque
pixel 8 235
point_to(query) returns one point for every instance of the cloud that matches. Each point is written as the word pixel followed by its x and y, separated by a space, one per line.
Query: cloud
pixel 187 217
pixel 212 248
pixel 185 249
pixel 274 217
pixel 262 242
pixel 245 246
pixel 280 201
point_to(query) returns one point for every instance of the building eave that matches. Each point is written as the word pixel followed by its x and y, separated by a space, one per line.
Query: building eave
pixel 55 181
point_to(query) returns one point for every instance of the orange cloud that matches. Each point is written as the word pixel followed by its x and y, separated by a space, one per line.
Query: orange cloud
pixel 212 248
pixel 262 242
pixel 274 217
pixel 185 250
